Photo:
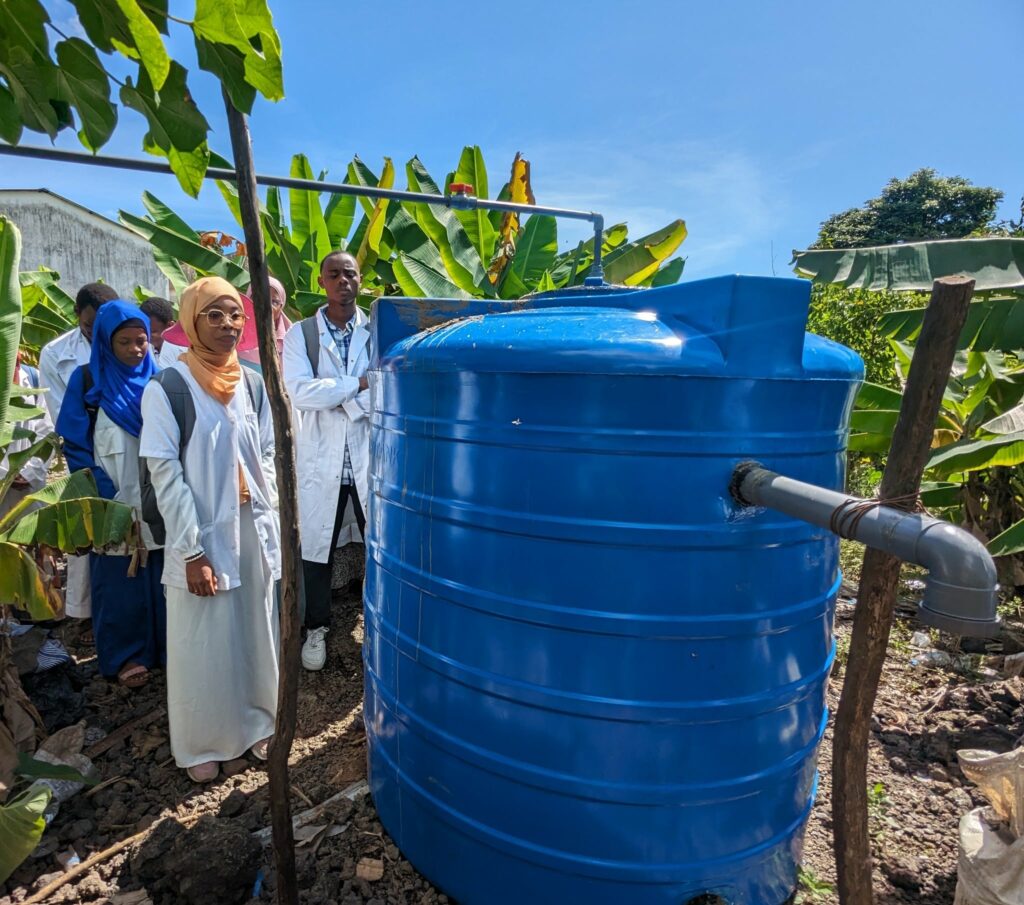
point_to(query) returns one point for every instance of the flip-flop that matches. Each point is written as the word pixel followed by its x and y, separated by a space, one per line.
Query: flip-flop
pixel 133 675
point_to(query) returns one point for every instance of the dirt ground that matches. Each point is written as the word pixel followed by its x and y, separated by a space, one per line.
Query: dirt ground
pixel 917 793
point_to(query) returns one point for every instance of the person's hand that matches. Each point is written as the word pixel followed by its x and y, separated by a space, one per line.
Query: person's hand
pixel 364 383
pixel 19 483
pixel 200 578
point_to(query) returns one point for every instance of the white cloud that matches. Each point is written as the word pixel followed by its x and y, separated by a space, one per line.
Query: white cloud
pixel 736 209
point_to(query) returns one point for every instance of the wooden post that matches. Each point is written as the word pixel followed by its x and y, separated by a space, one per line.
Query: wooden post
pixel 911 442
pixel 288 685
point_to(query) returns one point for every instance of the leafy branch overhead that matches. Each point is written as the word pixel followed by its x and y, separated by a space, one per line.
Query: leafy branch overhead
pixel 408 248
pixel 69 85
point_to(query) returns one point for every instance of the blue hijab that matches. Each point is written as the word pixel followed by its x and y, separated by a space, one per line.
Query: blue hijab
pixel 117 387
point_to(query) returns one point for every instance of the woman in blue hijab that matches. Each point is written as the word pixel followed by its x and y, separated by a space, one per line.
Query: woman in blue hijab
pixel 100 421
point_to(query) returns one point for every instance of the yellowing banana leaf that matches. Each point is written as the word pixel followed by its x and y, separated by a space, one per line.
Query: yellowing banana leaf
pixel 995 263
pixel 21 583
pixel 636 261
pixel 521 192
pixel 370 246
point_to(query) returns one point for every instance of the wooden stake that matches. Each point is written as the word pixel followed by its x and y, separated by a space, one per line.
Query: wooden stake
pixel 288 685
pixel 911 442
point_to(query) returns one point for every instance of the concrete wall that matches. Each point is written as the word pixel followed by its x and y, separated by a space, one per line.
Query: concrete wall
pixel 80 245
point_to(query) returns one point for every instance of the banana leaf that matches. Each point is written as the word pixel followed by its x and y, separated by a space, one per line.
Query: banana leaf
pixel 974 455
pixel 1009 542
pixel 372 245
pixel 10 309
pixel 21 827
pixel 476 223
pixel 307 216
pixel 519 190
pixel 419 280
pixel 70 516
pixel 634 262
pixel 461 260
pixel 178 247
pixel 21 583
pixel 992 324
pixel 995 264
pixel 535 253
pixel 48 291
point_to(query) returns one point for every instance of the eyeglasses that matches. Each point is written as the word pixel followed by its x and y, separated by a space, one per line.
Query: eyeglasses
pixel 216 317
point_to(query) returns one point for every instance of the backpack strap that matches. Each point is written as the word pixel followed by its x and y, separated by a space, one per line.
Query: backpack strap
pixel 311 334
pixel 255 387
pixel 91 410
pixel 183 406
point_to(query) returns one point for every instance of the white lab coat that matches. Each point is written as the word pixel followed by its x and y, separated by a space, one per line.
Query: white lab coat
pixel 169 354
pixel 35 469
pixel 117 452
pixel 333 412
pixel 204 513
pixel 57 362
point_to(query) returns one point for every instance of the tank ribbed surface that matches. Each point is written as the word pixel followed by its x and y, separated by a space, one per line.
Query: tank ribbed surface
pixel 589 675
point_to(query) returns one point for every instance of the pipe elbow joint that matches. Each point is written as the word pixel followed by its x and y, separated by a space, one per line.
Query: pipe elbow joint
pixel 960 594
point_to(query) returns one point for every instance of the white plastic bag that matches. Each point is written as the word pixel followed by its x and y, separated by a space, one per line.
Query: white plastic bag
pixel 990 870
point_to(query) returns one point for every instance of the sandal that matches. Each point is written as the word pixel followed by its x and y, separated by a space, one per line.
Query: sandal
pixel 86 638
pixel 133 675
pixel 261 750
pixel 204 772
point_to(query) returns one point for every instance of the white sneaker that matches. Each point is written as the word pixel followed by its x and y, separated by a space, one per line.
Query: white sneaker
pixel 314 649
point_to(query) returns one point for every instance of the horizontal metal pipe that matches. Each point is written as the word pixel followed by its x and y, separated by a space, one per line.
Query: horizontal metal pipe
pixel 960 590
pixel 459 201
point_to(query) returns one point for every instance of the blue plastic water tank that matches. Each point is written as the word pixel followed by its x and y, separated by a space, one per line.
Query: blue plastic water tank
pixel 591 677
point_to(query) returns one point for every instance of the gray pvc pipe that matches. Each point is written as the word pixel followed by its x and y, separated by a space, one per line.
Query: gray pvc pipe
pixel 960 590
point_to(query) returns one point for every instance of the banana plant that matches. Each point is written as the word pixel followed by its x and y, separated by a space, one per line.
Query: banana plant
pixel 412 248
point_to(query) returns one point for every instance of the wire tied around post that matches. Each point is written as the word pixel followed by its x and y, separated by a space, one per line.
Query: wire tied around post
pixel 847 517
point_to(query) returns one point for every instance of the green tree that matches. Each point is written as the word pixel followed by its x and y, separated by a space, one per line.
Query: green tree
pixel 922 206
pixel 852 317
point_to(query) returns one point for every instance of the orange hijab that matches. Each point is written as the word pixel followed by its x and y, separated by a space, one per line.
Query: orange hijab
pixel 215 372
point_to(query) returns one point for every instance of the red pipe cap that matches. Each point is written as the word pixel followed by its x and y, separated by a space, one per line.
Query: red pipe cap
pixel 460 188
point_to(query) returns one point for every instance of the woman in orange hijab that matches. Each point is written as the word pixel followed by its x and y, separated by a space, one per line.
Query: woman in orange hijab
pixel 217 493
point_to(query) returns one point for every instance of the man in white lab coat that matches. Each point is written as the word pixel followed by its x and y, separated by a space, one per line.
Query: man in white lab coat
pixel 57 362
pixel 332 437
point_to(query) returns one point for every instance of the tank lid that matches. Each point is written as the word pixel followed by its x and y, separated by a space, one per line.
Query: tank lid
pixel 733 326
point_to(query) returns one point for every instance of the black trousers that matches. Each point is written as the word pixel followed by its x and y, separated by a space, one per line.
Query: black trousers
pixel 316 576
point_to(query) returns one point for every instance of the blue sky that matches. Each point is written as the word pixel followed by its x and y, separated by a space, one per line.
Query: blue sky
pixel 752 121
